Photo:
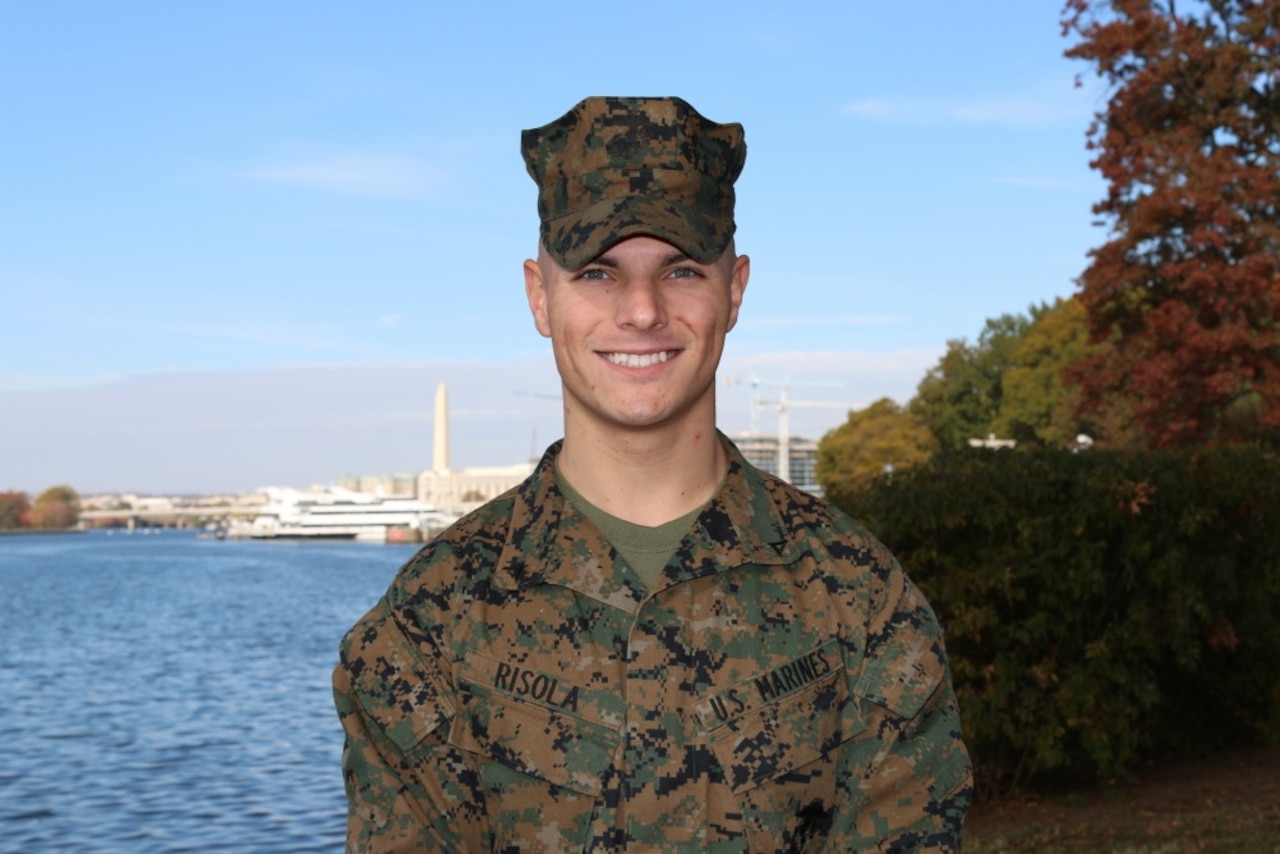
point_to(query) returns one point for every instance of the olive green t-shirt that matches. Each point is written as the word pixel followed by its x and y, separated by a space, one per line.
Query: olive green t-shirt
pixel 645 549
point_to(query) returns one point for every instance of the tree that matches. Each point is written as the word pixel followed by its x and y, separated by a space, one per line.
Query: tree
pixel 15 511
pixel 56 508
pixel 1184 298
pixel 855 452
pixel 1036 407
pixel 959 398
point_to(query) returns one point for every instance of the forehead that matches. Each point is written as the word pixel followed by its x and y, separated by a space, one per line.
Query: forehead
pixel 645 248
pixel 642 249
pixel 633 250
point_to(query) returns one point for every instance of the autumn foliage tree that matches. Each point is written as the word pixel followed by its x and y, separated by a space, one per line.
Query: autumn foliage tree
pixel 56 508
pixel 1037 408
pixel 1009 382
pixel 961 396
pixel 1183 300
pixel 15 510
pixel 883 434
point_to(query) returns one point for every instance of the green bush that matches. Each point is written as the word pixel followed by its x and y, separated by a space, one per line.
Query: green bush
pixel 1101 609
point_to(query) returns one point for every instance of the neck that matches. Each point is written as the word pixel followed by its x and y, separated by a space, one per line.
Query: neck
pixel 647 477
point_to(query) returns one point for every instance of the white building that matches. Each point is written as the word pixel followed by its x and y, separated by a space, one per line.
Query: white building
pixel 466 489
pixel 388 485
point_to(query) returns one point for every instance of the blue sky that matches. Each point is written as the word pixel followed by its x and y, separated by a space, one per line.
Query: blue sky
pixel 198 200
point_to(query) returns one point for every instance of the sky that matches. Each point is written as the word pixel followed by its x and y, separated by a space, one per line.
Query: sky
pixel 241 243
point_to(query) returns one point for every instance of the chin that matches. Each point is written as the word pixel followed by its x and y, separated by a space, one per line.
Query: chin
pixel 640 421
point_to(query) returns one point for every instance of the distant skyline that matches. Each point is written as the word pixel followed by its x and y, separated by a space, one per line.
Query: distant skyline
pixel 244 241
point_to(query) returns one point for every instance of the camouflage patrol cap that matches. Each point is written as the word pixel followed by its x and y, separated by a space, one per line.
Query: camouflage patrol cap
pixel 613 168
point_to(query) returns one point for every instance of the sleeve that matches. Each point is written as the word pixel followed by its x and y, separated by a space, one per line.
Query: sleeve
pixel 916 780
pixel 408 789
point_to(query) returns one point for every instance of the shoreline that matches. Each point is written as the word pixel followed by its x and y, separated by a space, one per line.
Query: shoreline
pixel 20 532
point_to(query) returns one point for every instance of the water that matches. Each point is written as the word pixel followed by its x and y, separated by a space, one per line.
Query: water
pixel 162 693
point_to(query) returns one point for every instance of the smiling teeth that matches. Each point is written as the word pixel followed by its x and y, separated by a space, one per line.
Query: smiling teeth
pixel 638 360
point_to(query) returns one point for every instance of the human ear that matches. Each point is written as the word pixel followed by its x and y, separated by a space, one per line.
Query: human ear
pixel 737 287
pixel 535 290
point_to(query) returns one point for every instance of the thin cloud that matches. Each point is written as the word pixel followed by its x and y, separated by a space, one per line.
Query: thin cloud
pixel 322 337
pixel 1035 182
pixel 382 176
pixel 911 363
pixel 852 320
pixel 30 381
pixel 881 110
pixel 1015 111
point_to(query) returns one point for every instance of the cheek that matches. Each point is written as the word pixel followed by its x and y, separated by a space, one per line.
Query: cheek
pixel 712 320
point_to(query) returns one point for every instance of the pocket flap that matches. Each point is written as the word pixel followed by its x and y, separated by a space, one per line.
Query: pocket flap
pixel 530 738
pixel 769 739
pixel 393 684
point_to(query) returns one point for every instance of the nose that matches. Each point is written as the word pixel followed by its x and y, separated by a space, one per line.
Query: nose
pixel 640 304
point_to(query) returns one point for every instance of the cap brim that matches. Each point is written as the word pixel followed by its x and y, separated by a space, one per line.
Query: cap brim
pixel 576 239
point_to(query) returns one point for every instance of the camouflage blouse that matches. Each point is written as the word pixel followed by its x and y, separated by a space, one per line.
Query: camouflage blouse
pixel 782 687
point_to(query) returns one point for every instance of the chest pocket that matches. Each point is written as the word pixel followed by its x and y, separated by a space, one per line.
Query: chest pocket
pixel 557 747
pixel 542 768
pixel 780 721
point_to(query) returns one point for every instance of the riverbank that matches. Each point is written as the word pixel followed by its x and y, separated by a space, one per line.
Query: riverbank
pixel 18 532
pixel 1229 802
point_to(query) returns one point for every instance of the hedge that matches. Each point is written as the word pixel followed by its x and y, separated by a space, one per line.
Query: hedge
pixel 1101 609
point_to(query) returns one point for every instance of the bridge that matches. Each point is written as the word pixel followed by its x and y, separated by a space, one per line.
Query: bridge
pixel 171 517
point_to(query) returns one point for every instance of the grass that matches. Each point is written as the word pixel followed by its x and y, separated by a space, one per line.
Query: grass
pixel 1227 803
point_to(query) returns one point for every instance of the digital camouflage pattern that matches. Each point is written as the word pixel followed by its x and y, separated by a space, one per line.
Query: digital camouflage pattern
pixel 613 168
pixel 782 688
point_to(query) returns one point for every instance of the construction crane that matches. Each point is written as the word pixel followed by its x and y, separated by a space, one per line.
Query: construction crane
pixel 784 418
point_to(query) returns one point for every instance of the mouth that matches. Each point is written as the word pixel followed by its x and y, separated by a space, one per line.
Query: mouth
pixel 639 360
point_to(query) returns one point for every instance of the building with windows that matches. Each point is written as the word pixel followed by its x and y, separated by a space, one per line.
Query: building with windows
pixel 802 455
pixel 386 485
pixel 466 489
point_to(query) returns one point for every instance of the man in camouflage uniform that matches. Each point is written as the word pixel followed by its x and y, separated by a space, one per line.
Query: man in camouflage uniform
pixel 649 645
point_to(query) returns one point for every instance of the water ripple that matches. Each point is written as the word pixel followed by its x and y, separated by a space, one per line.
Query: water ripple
pixel 169 694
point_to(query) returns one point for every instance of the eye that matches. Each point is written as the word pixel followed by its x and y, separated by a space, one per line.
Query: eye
pixel 686 273
pixel 594 274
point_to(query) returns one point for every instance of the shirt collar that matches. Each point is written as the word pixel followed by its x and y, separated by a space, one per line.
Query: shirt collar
pixel 549 542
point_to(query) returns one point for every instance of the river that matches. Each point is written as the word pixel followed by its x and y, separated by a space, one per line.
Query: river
pixel 163 693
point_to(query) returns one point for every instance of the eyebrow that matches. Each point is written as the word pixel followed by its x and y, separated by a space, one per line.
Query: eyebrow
pixel 673 258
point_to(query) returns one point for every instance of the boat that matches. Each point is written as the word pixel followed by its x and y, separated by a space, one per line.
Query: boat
pixel 334 513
